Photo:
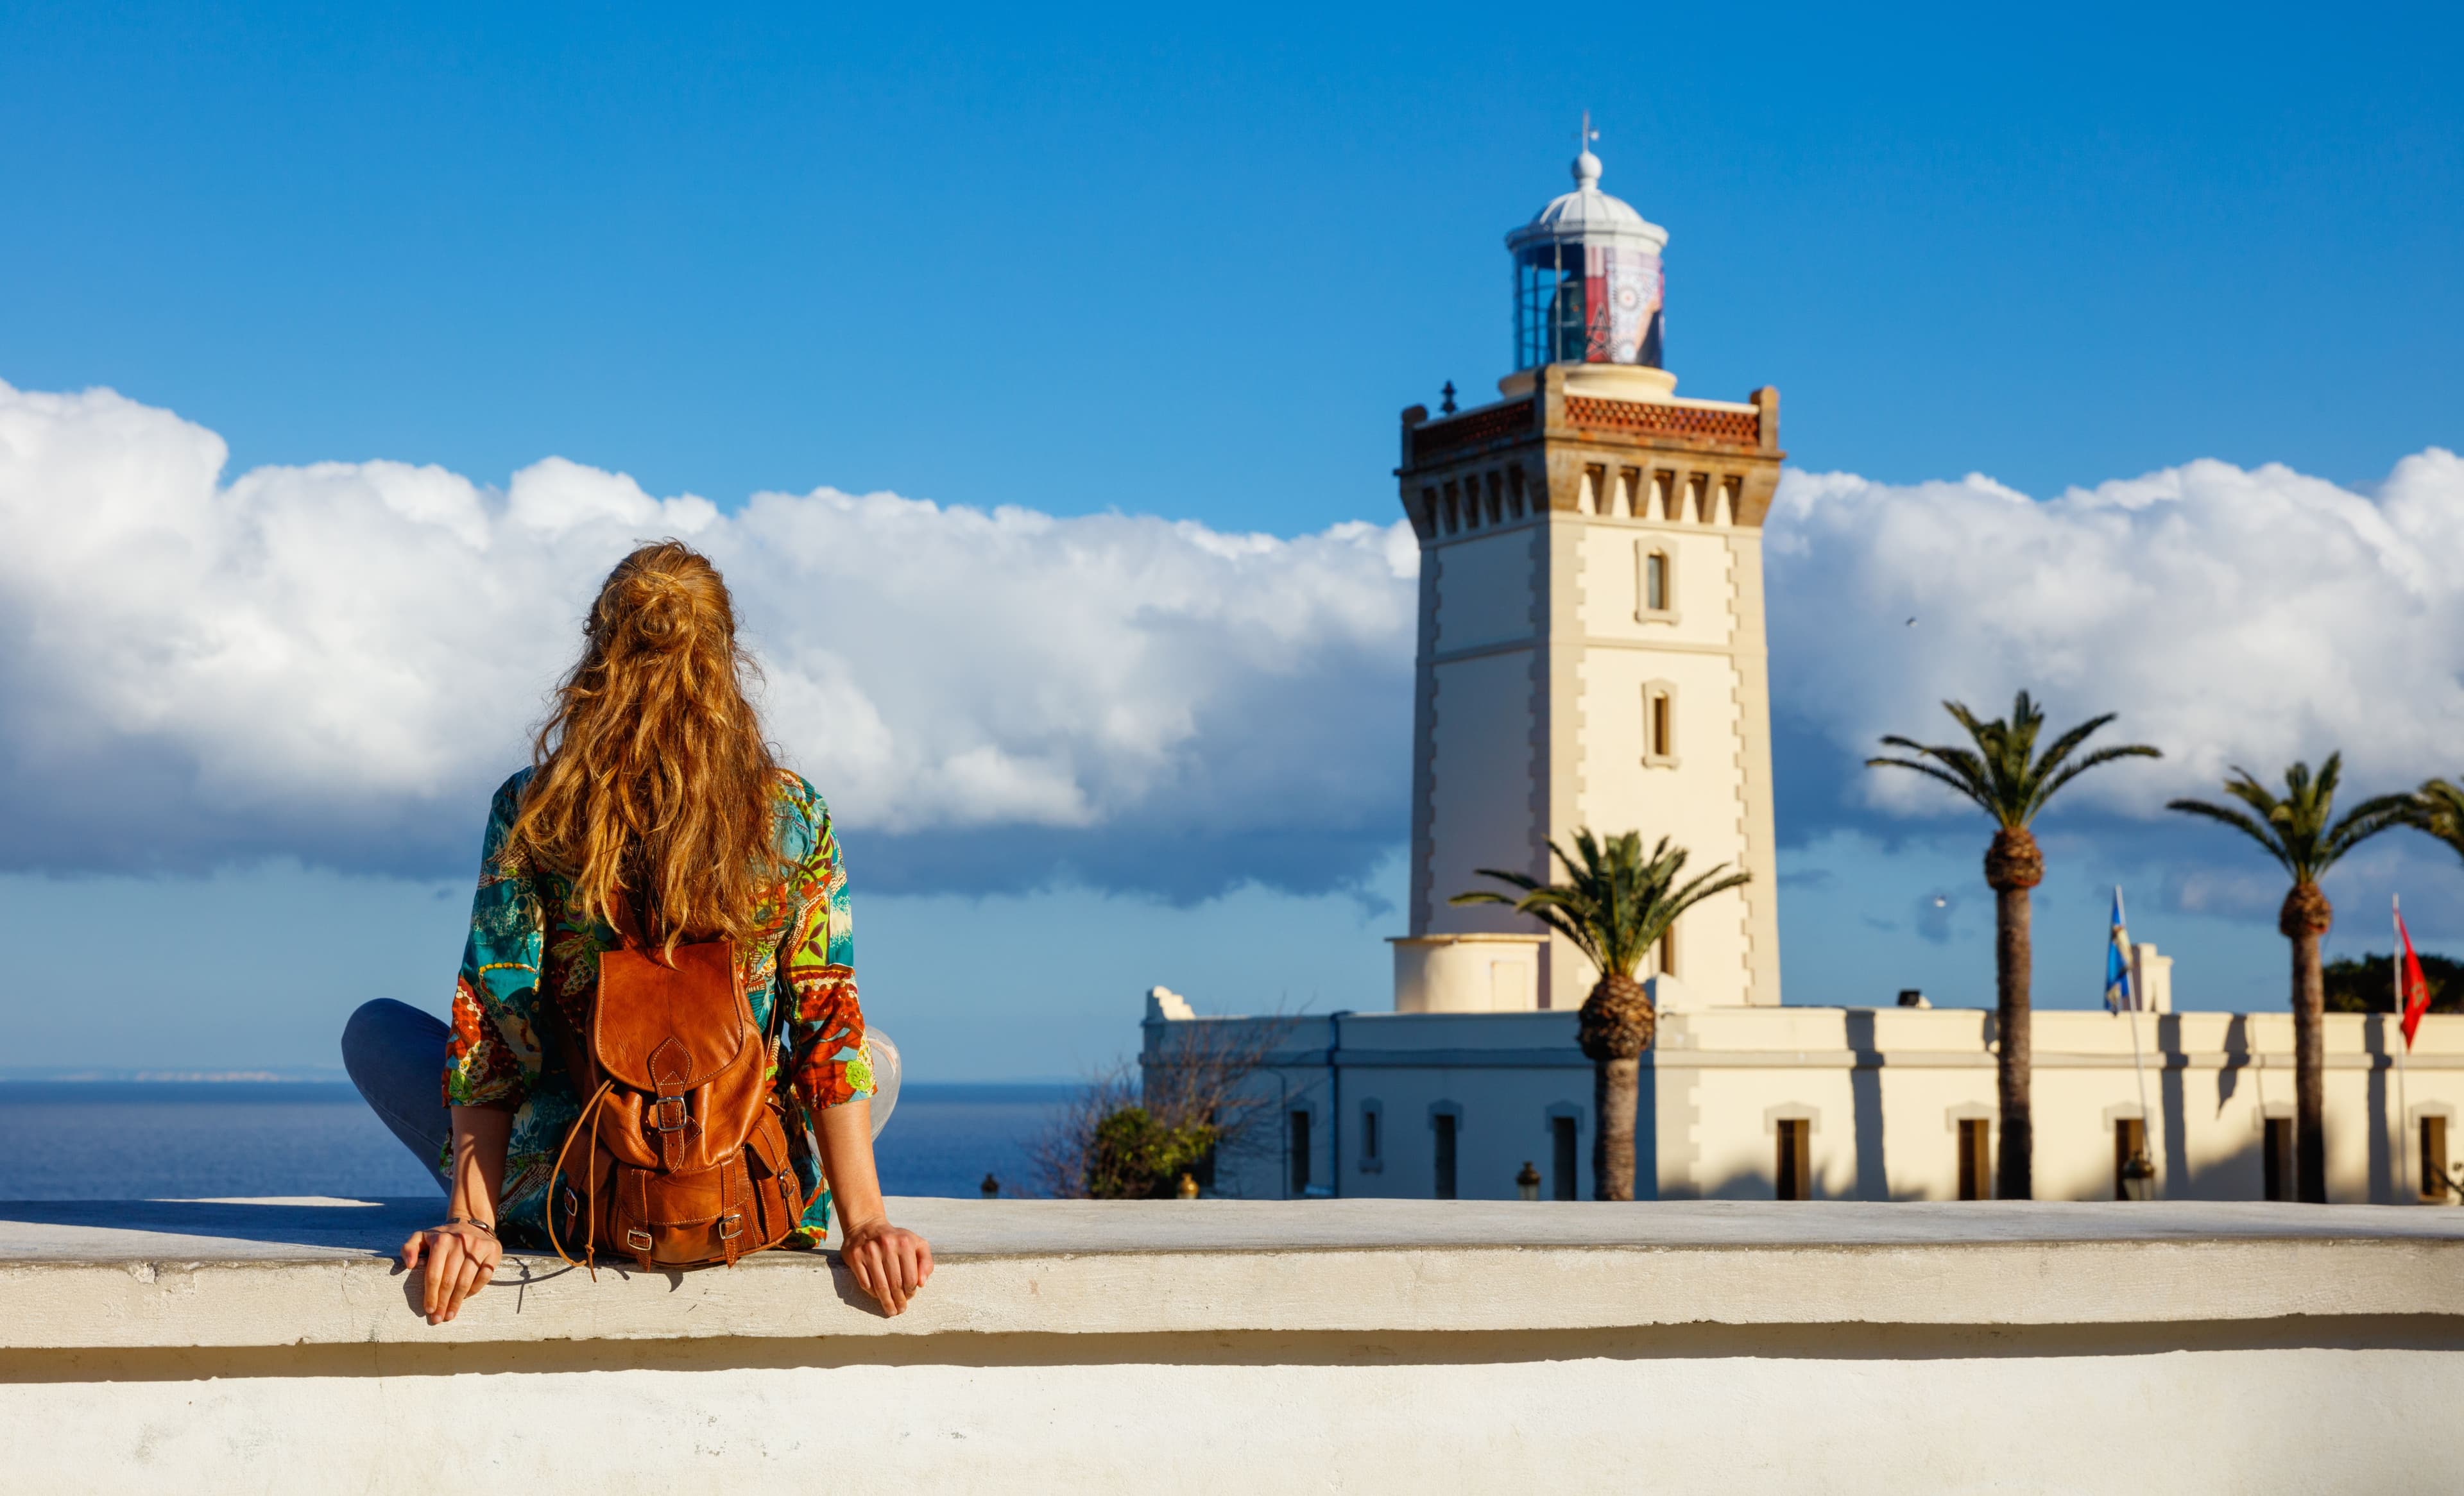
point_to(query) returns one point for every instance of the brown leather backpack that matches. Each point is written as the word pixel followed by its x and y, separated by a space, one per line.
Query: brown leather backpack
pixel 686 1161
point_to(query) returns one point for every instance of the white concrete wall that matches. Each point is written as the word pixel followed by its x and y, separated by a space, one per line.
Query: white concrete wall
pixel 1218 1347
pixel 2226 1420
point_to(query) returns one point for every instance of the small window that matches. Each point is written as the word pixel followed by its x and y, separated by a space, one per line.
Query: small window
pixel 1561 1157
pixel 1443 1185
pixel 1975 1172
pixel 2276 1159
pixel 2434 1158
pixel 1654 582
pixel 1792 1169
pixel 2129 1143
pixel 1300 1135
pixel 1659 723
pixel 1369 1117
pixel 1496 497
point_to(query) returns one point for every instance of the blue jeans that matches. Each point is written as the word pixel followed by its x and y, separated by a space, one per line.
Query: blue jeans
pixel 396 1056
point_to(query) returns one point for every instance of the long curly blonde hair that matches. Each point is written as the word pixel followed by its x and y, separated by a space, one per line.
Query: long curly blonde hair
pixel 652 784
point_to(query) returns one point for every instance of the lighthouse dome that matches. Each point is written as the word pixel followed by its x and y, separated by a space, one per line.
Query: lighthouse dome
pixel 1587 286
pixel 1588 214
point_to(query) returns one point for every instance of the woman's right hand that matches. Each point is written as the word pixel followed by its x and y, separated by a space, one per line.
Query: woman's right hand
pixel 460 1258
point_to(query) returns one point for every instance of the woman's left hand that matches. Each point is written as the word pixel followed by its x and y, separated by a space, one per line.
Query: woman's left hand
pixel 888 1263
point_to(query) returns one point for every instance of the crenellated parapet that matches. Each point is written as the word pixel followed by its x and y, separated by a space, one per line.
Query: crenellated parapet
pixel 1565 445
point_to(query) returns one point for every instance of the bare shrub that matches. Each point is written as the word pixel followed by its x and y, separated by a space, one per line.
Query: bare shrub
pixel 1133 1132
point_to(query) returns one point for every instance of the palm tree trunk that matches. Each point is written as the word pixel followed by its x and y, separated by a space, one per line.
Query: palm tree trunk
pixel 2309 1072
pixel 1616 1085
pixel 2014 967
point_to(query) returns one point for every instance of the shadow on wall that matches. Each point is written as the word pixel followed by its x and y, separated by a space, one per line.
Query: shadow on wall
pixel 369 1225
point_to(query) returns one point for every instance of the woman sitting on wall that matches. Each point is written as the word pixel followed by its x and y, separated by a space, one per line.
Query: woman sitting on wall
pixel 652 845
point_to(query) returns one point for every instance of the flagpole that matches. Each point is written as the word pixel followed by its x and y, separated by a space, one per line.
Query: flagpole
pixel 2403 1056
pixel 2146 1133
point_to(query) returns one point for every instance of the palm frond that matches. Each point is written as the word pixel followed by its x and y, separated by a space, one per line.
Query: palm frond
pixel 2071 771
pixel 1615 901
pixel 2240 821
pixel 2004 773
pixel 1966 790
pixel 2069 742
pixel 2438 809
pixel 2372 816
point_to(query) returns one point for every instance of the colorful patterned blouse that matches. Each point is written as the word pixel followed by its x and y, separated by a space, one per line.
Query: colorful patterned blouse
pixel 527 939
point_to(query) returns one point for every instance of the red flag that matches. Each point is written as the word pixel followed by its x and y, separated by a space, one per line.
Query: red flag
pixel 2415 986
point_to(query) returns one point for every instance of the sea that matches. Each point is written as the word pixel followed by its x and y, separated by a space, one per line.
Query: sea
pixel 221 1140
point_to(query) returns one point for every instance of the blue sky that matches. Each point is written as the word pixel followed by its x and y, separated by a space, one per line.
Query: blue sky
pixel 1191 265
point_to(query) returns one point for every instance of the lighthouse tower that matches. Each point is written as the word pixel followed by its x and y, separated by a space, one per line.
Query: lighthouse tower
pixel 1590 630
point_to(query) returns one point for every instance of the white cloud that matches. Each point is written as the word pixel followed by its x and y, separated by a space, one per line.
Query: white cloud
pixel 338 660
pixel 2230 616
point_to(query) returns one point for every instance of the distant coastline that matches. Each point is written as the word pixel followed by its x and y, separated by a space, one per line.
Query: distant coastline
pixel 123 1075
pixel 1036 1089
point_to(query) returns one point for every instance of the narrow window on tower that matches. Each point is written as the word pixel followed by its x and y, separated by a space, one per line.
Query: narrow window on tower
pixel 1659 724
pixel 1666 956
pixel 1514 491
pixel 1453 516
pixel 1496 497
pixel 1655 583
pixel 1429 510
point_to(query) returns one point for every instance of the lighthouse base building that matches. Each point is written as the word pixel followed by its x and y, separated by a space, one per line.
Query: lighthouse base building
pixel 1591 654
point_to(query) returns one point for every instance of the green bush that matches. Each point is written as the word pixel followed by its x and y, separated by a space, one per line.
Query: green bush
pixel 1134 1157
pixel 2367 985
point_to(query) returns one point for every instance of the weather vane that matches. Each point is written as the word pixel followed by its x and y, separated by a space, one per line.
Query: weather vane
pixel 1583 138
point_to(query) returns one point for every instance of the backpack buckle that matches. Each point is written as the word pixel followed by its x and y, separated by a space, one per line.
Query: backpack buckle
pixel 731 1225
pixel 668 1116
pixel 639 1240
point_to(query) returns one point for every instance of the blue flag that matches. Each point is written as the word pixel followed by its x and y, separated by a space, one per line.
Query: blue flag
pixel 2120 995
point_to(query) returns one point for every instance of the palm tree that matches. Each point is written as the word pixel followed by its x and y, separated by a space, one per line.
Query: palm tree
pixel 2296 832
pixel 2011 781
pixel 1615 905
